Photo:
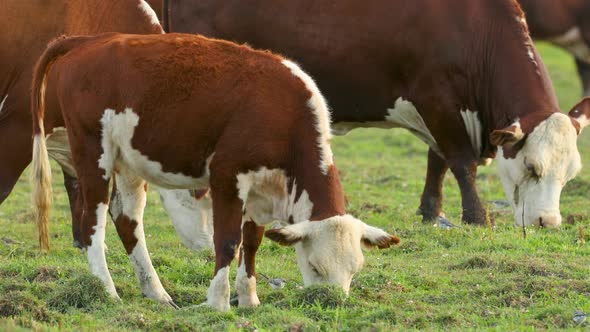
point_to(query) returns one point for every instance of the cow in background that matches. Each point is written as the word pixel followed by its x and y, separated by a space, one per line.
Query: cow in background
pixel 565 23
pixel 199 112
pixel 462 75
pixel 28 27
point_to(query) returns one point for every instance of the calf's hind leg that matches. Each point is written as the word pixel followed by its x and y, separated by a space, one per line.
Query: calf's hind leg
pixel 128 219
pixel 95 191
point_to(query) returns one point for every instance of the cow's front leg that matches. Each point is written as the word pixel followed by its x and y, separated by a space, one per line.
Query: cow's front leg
pixel 75 200
pixel 465 172
pixel 128 203
pixel 191 216
pixel 227 237
pixel 431 201
pixel 246 277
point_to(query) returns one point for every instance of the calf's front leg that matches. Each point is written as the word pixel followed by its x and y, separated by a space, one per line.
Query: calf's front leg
pixel 246 277
pixel 227 238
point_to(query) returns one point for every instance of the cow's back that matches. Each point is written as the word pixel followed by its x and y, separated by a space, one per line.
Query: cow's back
pixel 178 88
pixel 364 55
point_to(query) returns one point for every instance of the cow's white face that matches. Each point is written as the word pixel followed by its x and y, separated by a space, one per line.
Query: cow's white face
pixel 329 251
pixel 534 178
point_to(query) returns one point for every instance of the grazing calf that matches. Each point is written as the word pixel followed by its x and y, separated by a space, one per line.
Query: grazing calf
pixel 462 75
pixel 183 111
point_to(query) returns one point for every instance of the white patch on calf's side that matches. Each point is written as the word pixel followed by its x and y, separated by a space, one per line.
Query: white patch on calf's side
pixel 117 133
pixel 474 130
pixel 95 252
pixel 319 107
pixel 573 42
pixel 246 287
pixel 266 197
pixel 149 12
pixel 192 218
pixel 218 292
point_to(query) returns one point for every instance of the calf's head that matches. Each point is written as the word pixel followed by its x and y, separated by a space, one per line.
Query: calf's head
pixel 329 251
pixel 534 167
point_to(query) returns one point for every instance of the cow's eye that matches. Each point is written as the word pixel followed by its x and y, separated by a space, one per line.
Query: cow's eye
pixel 314 269
pixel 532 171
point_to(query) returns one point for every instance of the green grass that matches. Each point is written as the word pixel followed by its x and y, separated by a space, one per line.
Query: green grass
pixel 464 278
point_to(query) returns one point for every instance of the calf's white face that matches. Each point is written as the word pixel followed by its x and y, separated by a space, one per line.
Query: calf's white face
pixel 329 251
pixel 534 178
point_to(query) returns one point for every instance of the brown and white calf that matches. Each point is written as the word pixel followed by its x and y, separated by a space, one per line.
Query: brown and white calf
pixel 564 23
pixel 462 75
pixel 183 111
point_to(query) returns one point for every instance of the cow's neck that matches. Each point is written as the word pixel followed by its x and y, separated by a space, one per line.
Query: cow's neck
pixel 513 83
pixel 320 183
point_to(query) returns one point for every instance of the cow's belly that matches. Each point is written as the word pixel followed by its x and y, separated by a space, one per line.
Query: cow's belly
pixel 573 42
pixel 402 115
pixel 152 172
pixel 58 148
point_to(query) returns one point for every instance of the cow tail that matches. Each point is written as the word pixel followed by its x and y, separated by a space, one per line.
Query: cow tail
pixel 40 174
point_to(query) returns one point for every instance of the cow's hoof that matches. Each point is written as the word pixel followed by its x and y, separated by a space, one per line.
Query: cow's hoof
pixel 443 222
pixel 77 244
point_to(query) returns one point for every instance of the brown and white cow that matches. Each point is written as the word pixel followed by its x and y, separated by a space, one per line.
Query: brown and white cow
pixel 565 23
pixel 183 111
pixel 28 27
pixel 462 75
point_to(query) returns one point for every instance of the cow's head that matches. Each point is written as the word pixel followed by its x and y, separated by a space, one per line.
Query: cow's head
pixel 534 167
pixel 329 251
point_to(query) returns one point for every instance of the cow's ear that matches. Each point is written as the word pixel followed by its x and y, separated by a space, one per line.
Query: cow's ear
pixel 507 136
pixel 289 235
pixel 376 237
pixel 580 114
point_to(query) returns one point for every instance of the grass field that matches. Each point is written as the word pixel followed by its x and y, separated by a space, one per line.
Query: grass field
pixel 463 278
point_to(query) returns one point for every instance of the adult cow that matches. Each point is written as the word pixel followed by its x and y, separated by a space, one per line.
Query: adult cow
pixel 183 111
pixel 565 23
pixel 28 27
pixel 462 75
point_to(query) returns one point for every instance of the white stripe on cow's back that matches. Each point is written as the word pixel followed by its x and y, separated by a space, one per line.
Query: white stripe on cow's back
pixel 2 102
pixel 149 11
pixel 319 107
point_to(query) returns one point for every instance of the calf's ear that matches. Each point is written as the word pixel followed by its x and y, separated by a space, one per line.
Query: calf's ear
pixel 289 235
pixel 507 136
pixel 376 237
pixel 580 114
